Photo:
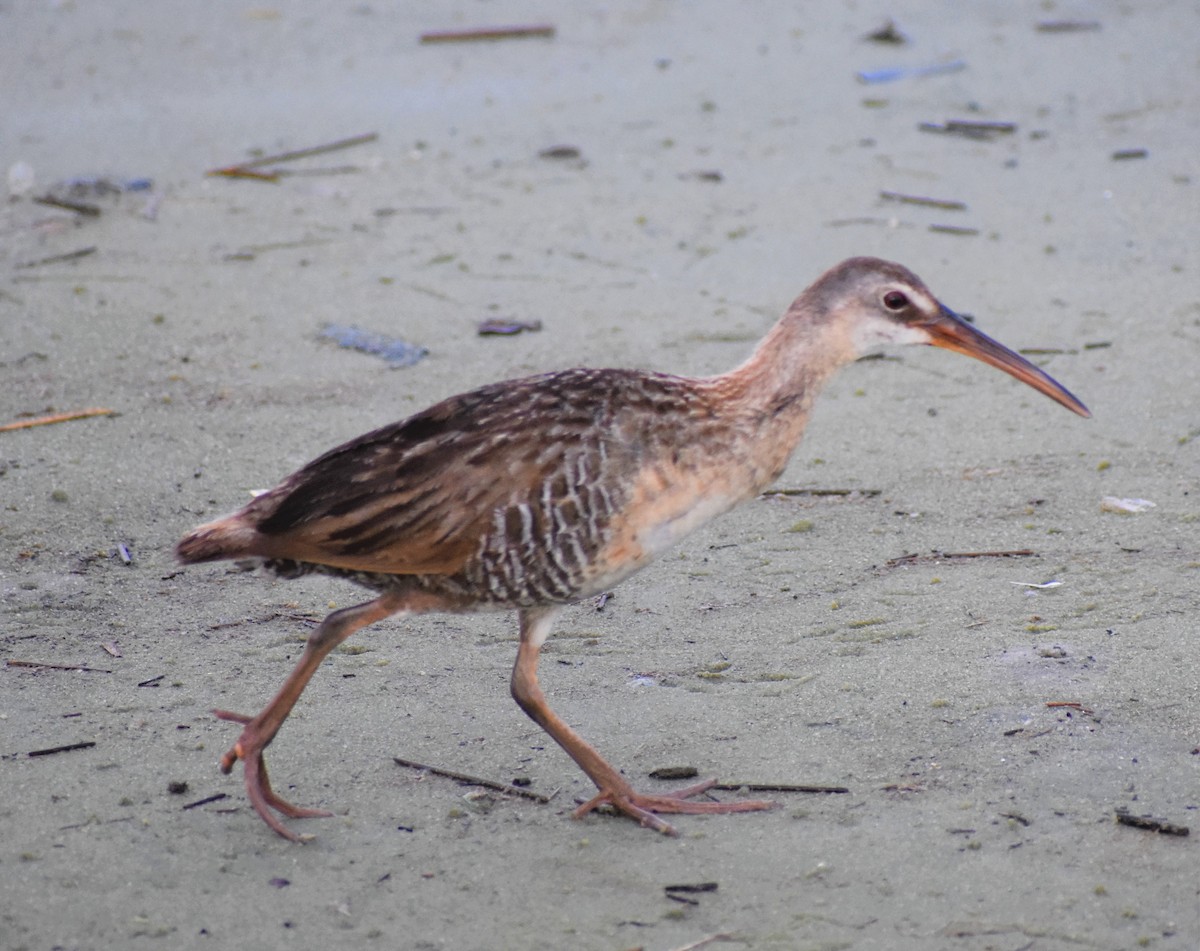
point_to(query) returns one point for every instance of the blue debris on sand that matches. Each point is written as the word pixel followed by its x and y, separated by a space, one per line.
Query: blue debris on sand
pixel 95 186
pixel 889 75
pixel 397 353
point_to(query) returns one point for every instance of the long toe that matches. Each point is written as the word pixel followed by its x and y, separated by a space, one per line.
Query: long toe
pixel 263 798
pixel 624 804
pixel 278 803
pixel 645 807
pixel 673 803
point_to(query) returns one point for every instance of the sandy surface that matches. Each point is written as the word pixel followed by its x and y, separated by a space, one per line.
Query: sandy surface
pixel 978 816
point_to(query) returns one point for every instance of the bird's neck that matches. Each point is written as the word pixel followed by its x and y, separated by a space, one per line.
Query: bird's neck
pixel 789 367
pixel 770 396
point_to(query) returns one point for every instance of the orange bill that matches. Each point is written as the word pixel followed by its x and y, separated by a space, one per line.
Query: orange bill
pixel 953 333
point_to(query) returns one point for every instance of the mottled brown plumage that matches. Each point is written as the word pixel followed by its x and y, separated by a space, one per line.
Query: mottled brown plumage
pixel 532 494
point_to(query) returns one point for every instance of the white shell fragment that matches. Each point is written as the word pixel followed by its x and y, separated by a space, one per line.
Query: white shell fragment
pixel 1033 584
pixel 20 180
pixel 1110 503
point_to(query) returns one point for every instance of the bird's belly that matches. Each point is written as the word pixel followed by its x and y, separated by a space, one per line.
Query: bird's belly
pixel 664 508
pixel 676 522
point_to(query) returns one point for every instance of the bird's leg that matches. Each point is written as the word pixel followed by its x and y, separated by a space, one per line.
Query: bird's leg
pixel 259 731
pixel 614 789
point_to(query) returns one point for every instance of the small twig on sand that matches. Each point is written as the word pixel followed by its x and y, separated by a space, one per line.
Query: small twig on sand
pixel 953 229
pixel 85 745
pixel 487 33
pixel 205 801
pixel 1071 705
pixel 235 171
pixel 692 888
pixel 473 780
pixel 1147 823
pixel 1067 26
pixel 970 128
pixel 681 892
pixel 778 787
pixel 79 207
pixel 59 258
pixel 245 169
pixel 947 204
pixel 951 555
pixel 55 418
pixel 38 665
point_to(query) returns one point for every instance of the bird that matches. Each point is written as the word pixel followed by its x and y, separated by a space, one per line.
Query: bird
pixel 536 493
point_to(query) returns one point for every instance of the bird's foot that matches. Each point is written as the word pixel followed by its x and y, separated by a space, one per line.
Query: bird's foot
pixel 643 807
pixel 249 749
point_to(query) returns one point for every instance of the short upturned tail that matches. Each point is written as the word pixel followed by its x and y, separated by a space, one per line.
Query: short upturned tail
pixel 228 537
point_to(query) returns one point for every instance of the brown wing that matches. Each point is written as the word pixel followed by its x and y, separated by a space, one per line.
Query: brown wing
pixel 417 497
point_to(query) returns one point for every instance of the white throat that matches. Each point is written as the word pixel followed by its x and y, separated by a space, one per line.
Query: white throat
pixel 873 334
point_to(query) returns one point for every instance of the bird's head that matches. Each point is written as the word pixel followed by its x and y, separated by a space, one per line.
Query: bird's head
pixel 878 303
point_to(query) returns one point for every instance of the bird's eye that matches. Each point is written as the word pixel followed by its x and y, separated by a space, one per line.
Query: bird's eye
pixel 895 300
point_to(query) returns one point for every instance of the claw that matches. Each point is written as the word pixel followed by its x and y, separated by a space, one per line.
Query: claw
pixel 249 749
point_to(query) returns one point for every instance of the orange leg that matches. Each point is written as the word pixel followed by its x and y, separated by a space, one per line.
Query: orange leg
pixel 614 789
pixel 259 731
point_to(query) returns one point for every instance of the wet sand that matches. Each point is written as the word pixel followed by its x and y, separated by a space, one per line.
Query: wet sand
pixel 988 730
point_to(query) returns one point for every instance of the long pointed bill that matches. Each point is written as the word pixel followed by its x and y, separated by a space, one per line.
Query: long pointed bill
pixel 953 333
